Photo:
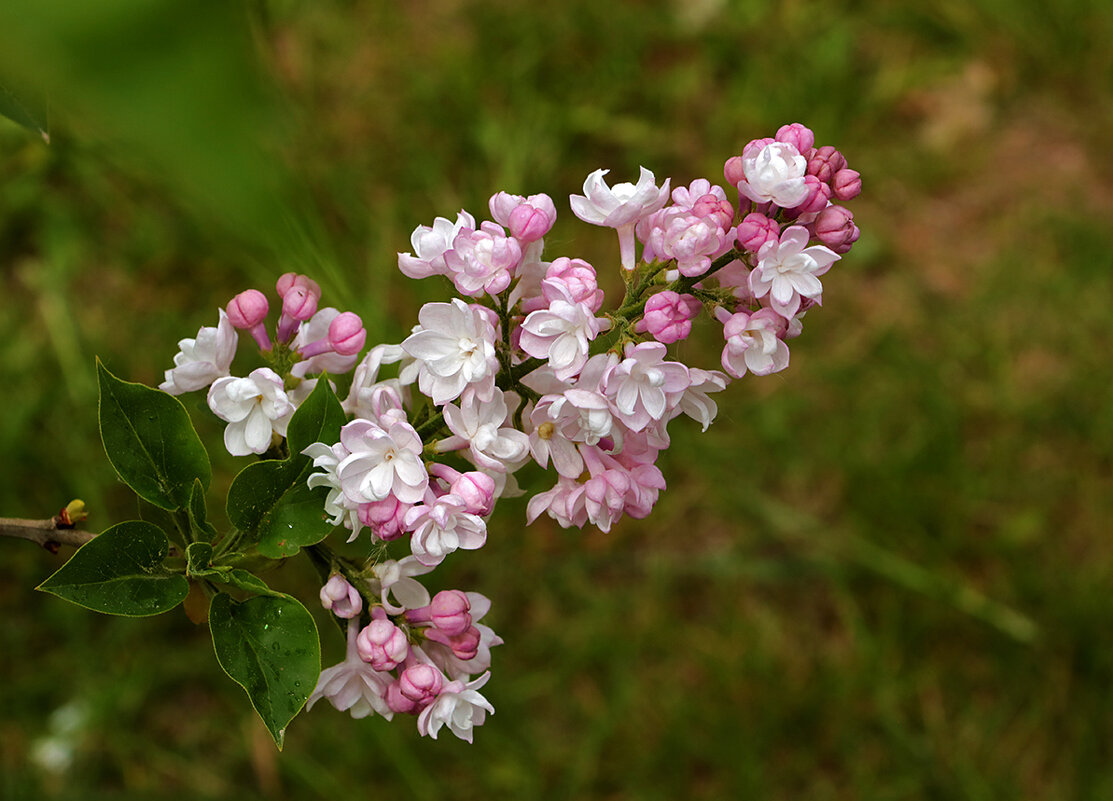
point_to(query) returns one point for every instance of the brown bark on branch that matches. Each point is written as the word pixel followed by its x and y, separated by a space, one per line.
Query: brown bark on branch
pixel 52 532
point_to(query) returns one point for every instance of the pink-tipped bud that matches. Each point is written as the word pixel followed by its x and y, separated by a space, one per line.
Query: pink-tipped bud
pixel 398 703
pixel 755 230
pixel 420 684
pixel 798 135
pixel 385 518
pixel 819 194
pixel 477 490
pixel 847 184
pixel 346 334
pixel 247 309
pixel 825 162
pixel 733 171
pixel 341 597
pixel 721 212
pixel 577 277
pixel 668 316
pixel 450 612
pixel 289 280
pixel 528 224
pixel 465 645
pixel 382 644
pixel 835 228
pixel 300 303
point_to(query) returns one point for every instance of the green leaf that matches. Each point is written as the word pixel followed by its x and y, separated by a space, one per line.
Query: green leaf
pixel 199 559
pixel 202 529
pixel 120 572
pixel 269 646
pixel 270 500
pixel 150 441
pixel 24 107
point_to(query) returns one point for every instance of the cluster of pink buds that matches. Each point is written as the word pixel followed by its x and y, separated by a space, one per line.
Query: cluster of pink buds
pixel 410 661
pixel 524 366
pixel 308 341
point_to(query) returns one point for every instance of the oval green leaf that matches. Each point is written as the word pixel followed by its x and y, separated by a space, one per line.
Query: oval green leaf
pixel 150 441
pixel 120 572
pixel 269 646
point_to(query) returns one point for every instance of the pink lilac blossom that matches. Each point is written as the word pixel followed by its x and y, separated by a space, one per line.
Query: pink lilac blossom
pixel 562 333
pixel 480 426
pixel 341 598
pixel 382 462
pixel 528 218
pixel 643 386
pixel 459 706
pixel 441 526
pixel 482 261
pixel 774 173
pixel 753 343
pixel 668 316
pixel 353 686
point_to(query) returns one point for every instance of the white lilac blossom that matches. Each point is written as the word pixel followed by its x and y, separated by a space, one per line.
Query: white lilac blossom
pixel 562 333
pixel 480 426
pixel 255 408
pixel 788 270
pixel 338 507
pixel 459 706
pixel 353 686
pixel 644 387
pixel 395 579
pixel 430 244
pixel 695 402
pixel 382 462
pixel 620 206
pixel 455 347
pixel 203 359
pixel 774 173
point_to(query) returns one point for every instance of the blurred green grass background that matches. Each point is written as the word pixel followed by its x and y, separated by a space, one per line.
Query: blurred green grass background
pixel 883 574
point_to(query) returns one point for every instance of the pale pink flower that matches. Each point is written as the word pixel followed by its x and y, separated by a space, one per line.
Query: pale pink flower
pixel 643 386
pixel 620 207
pixel 695 401
pixel 480 426
pixel 442 525
pixel 693 241
pixel 341 598
pixel 668 316
pixel 573 279
pixel 459 706
pixel 255 408
pixel 774 173
pixel 202 360
pixel 562 333
pixel 395 579
pixel 753 344
pixel 317 330
pixel 353 686
pixel 430 244
pixel 789 270
pixel 455 347
pixel 564 503
pixel 528 218
pixel 482 261
pixel 382 462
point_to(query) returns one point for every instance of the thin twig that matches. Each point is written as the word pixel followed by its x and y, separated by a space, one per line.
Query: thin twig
pixel 52 532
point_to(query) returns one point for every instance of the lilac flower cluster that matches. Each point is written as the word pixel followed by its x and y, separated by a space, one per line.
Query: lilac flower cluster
pixel 524 366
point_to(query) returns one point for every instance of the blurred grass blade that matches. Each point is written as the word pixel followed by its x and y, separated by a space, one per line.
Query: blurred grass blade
pixel 23 107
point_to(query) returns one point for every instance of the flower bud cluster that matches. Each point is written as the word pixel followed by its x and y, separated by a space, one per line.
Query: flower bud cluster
pixel 525 366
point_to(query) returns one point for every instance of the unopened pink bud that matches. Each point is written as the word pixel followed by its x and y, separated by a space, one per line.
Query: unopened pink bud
pixel 382 644
pixel 718 210
pixel 247 309
pixel 300 303
pixel 757 229
pixel 465 645
pixel 528 224
pixel 450 612
pixel 346 334
pixel 668 316
pixel 289 280
pixel 397 702
pixel 796 134
pixel 847 184
pixel 835 228
pixel 825 162
pixel 385 518
pixel 477 491
pixel 818 196
pixel 341 597
pixel 733 171
pixel 421 684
